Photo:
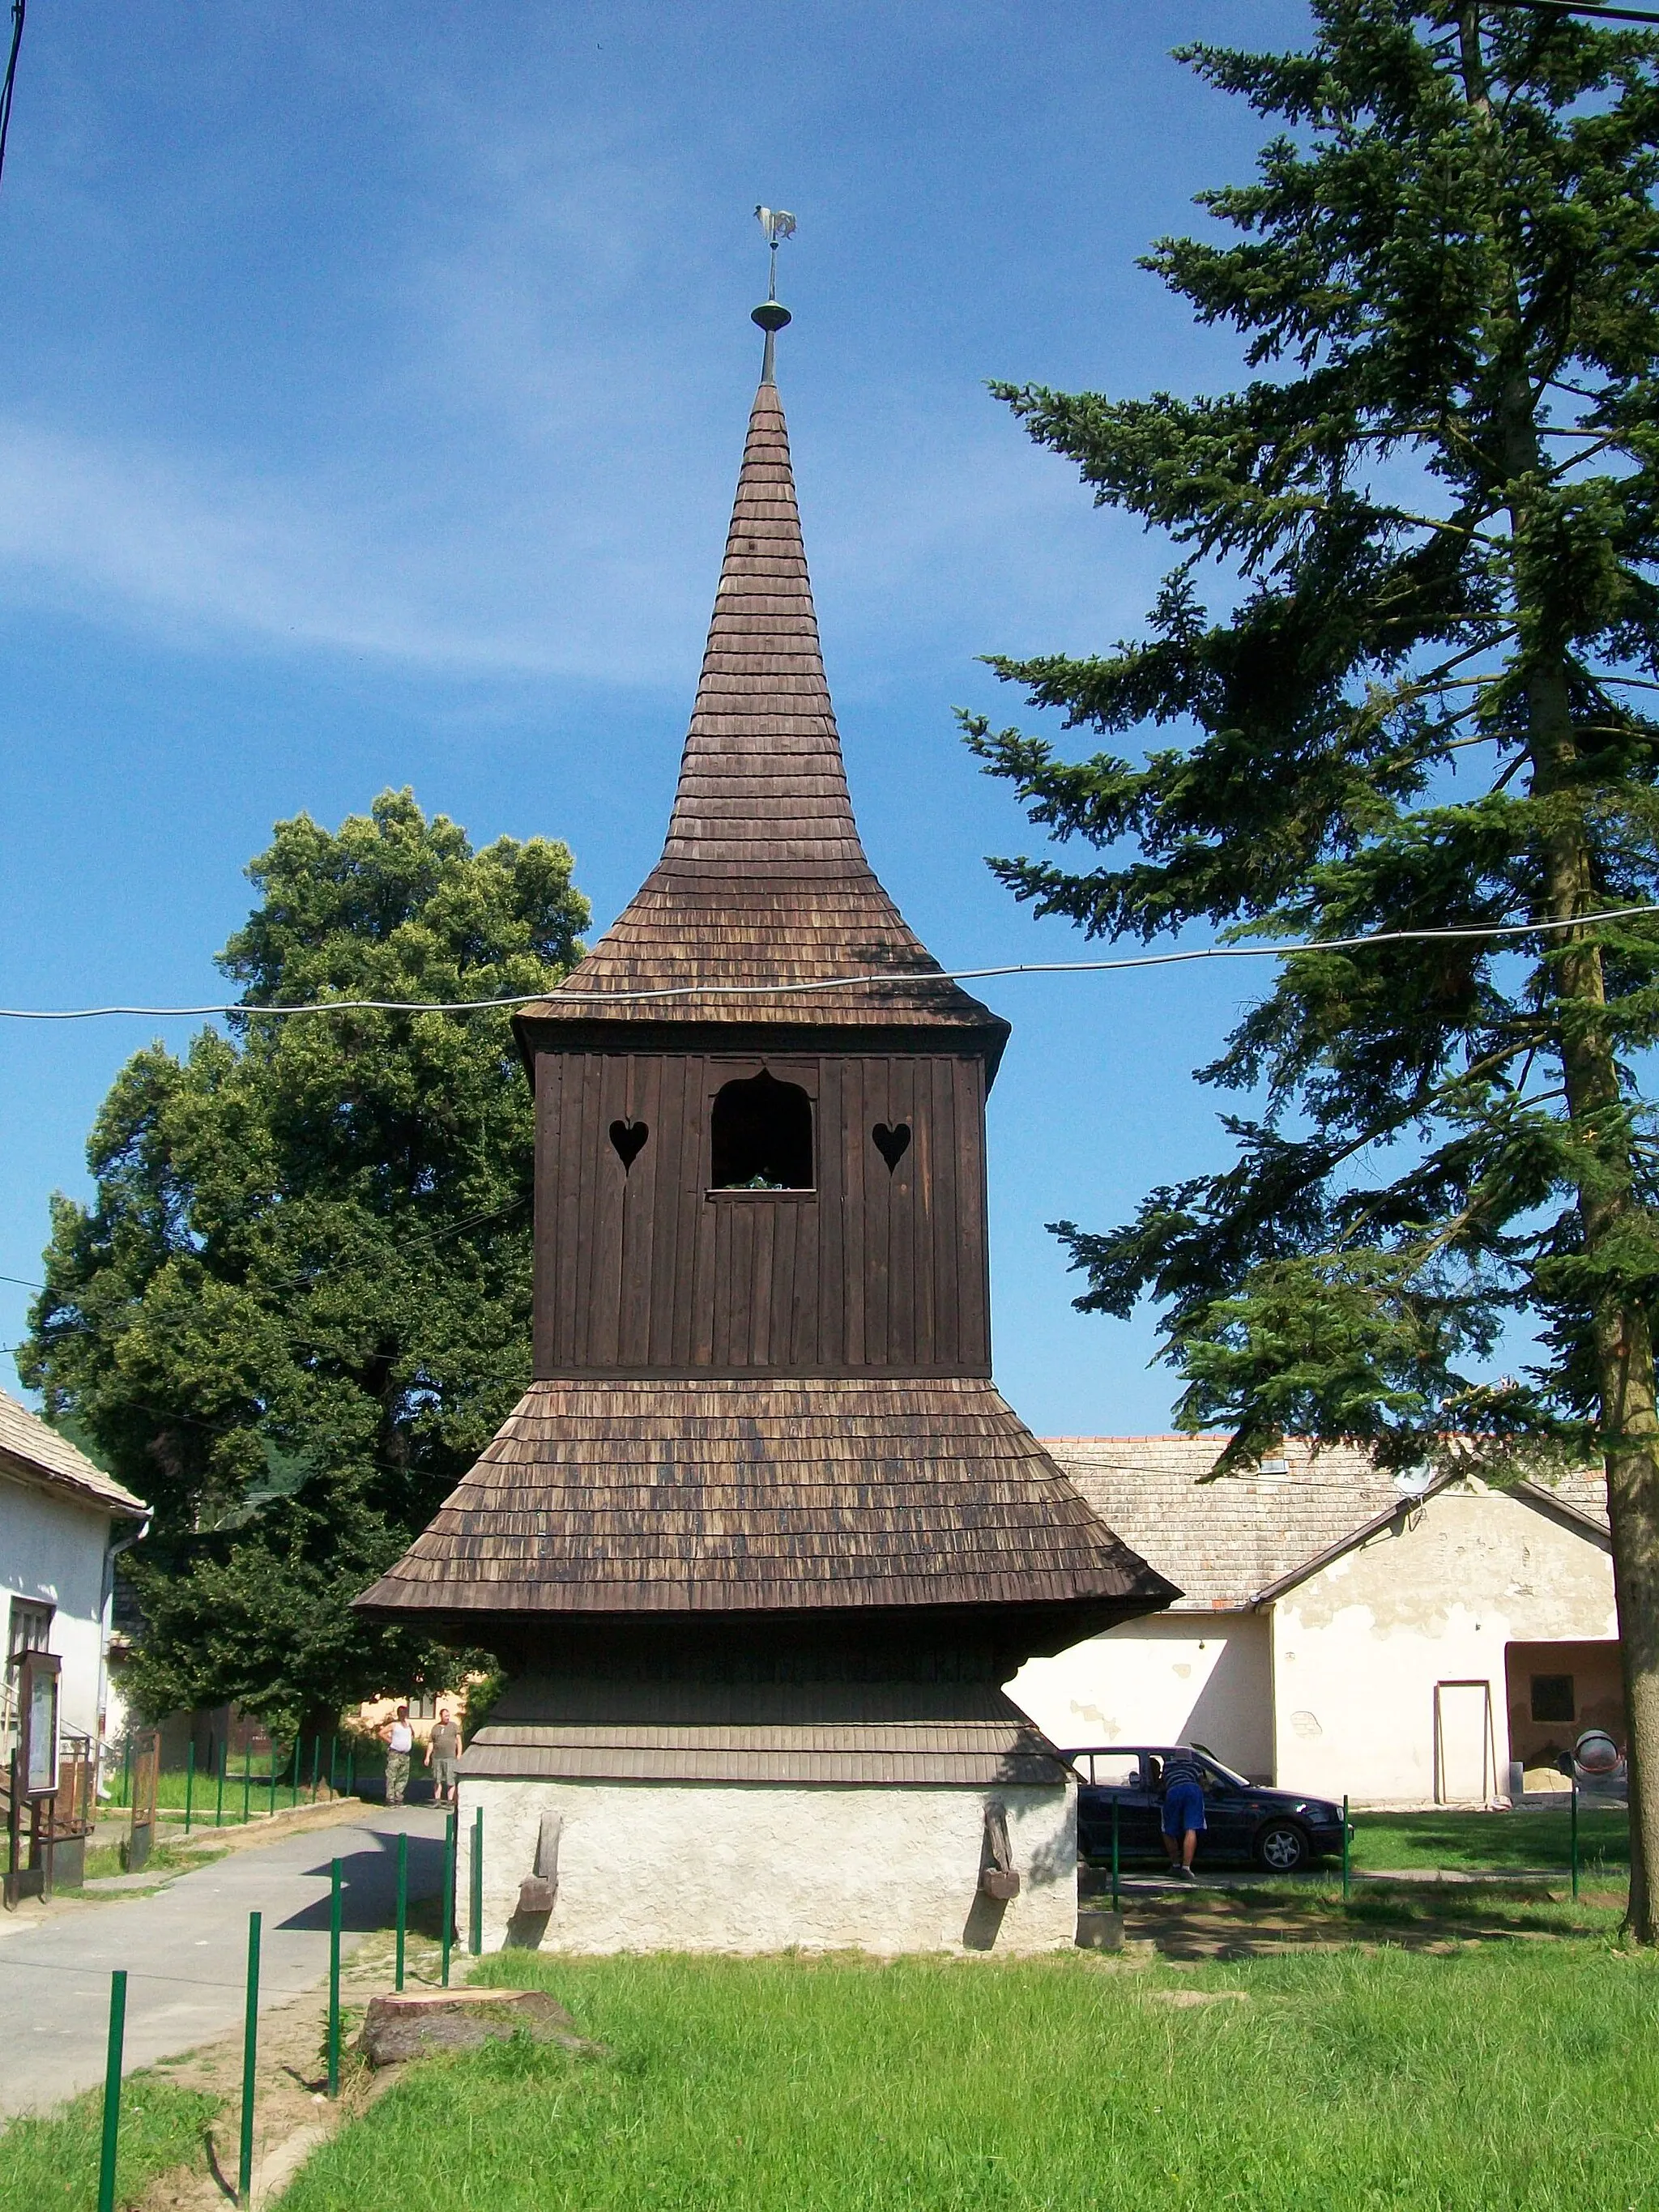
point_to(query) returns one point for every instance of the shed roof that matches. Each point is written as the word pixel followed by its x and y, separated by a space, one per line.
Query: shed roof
pixel 36 1452
pixel 1226 1543
pixel 764 880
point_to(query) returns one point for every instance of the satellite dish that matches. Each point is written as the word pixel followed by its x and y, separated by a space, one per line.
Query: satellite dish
pixel 1414 1481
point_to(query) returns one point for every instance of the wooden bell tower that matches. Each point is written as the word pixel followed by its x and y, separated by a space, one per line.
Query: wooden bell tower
pixel 762 1527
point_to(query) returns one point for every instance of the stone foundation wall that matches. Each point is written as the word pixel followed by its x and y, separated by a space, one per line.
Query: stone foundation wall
pixel 646 1866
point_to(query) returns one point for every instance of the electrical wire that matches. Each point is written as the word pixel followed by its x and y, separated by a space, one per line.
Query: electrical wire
pixel 17 9
pixel 565 996
pixel 1586 8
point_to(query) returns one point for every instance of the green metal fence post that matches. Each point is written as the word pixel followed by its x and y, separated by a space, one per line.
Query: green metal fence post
pixel 1344 1850
pixel 1114 1852
pixel 250 2061
pixel 316 1765
pixel 117 2024
pixel 333 1752
pixel 190 1781
pixel 446 1908
pixel 294 1778
pixel 351 1760
pixel 219 1795
pixel 126 1773
pixel 1575 1838
pixel 403 1901
pixel 271 1814
pixel 334 1982
pixel 475 1888
pixel 247 1780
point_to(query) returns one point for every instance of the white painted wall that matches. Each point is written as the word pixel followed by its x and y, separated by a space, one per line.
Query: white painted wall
pixel 1173 1677
pixel 1359 1648
pixel 753 1866
pixel 51 1553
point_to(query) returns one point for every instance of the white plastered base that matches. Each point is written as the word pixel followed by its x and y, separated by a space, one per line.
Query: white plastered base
pixel 646 1866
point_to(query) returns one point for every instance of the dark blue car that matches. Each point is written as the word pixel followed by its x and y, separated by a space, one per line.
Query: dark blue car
pixel 1244 1821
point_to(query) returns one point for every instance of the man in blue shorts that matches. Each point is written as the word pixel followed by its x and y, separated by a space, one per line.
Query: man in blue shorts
pixel 1184 1812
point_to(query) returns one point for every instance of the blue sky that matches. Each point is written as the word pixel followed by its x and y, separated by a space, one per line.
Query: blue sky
pixel 373 384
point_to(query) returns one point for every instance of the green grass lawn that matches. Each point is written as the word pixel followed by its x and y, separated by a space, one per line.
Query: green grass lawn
pixel 51 2166
pixel 1490 1842
pixel 1515 2075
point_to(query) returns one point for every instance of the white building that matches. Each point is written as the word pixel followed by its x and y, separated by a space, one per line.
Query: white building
pixel 1336 1634
pixel 62 1522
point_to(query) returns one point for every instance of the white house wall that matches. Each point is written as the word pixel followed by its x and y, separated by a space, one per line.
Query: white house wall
pixel 1359 1648
pixel 718 1867
pixel 1174 1677
pixel 51 1553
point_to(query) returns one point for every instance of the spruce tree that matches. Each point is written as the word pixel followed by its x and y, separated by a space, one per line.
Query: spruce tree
pixel 1405 661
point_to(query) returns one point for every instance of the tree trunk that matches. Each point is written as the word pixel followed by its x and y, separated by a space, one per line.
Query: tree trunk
pixel 1633 1507
pixel 1623 1342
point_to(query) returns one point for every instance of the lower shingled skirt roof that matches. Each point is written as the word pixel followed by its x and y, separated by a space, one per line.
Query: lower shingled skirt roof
pixel 733 1496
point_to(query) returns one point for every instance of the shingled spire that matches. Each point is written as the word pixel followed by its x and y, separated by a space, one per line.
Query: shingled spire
pixel 762 880
pixel 762 788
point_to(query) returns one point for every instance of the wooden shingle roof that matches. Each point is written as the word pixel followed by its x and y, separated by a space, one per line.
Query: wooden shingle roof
pixel 740 1496
pixel 763 879
pixel 568 1727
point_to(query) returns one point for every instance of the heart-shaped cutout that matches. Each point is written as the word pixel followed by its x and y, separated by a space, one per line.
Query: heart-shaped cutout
pixel 892 1143
pixel 629 1138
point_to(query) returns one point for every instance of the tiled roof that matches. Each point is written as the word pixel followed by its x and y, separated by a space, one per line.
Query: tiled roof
pixel 1222 1542
pixel 28 1447
pixel 1584 1491
pixel 763 879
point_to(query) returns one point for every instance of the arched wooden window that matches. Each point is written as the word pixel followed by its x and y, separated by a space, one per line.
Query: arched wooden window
pixel 760 1136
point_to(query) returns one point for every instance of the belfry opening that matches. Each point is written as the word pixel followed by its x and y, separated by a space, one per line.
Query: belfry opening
pixel 760 1135
pixel 762 1543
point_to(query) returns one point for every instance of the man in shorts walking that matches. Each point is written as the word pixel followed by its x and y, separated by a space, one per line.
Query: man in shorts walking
pixel 443 1749
pixel 399 1742
pixel 1184 1812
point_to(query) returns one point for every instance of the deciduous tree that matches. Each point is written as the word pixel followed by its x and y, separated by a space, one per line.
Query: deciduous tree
pixel 299 1304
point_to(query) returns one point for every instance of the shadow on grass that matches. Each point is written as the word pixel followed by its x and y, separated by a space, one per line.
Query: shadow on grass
pixel 1266 1921
pixel 1490 1842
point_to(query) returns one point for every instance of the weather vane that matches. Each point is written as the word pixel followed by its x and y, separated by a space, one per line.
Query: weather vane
pixel 771 314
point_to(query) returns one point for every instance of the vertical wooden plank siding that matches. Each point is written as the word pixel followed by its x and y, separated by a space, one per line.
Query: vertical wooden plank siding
pixel 973 1283
pixel 609 1200
pixel 854 1288
pixel 642 1270
pixel 823 1331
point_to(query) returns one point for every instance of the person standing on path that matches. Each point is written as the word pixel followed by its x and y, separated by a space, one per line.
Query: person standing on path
pixel 442 1751
pixel 399 1742
pixel 1184 1812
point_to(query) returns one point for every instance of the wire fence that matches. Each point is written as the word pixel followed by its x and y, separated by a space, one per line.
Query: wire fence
pixel 110 2134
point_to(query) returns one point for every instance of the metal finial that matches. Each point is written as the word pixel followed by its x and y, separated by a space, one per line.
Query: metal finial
pixel 771 314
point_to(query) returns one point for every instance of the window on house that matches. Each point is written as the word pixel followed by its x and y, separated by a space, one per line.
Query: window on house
pixel 31 1628
pixel 760 1136
pixel 1551 1697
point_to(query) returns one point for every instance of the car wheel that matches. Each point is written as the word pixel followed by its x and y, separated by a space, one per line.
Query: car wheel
pixel 1283 1848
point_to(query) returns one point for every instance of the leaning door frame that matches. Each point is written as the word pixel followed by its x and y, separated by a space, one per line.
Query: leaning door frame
pixel 1488 1741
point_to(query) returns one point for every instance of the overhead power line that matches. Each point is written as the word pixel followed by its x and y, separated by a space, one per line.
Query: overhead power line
pixel 17 8
pixel 1586 8
pixel 888 976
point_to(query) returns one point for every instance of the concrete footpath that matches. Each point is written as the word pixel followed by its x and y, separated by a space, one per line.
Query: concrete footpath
pixel 184 1949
